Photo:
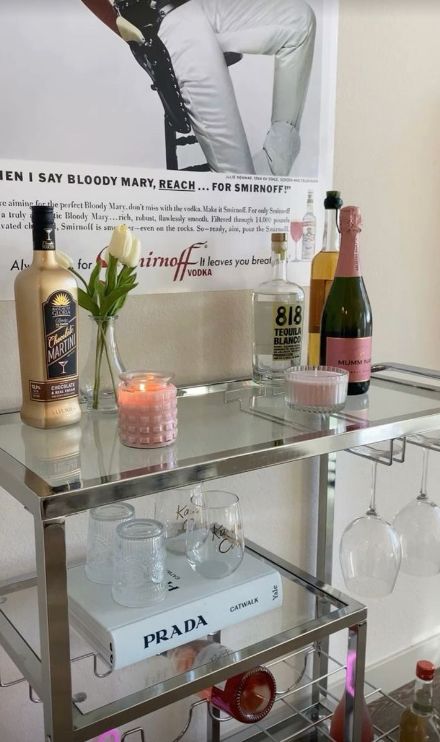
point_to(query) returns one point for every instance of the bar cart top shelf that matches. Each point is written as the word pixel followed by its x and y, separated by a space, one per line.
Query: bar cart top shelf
pixel 224 428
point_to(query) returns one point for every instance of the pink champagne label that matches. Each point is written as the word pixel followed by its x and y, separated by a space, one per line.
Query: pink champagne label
pixel 352 355
pixel 348 261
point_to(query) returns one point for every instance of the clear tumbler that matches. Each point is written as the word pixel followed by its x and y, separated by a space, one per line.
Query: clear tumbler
pixel 101 539
pixel 139 575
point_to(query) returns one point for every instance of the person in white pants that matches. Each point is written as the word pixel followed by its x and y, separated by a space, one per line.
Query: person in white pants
pixel 196 35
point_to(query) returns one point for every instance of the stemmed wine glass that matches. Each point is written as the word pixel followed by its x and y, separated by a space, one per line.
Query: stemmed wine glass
pixel 296 231
pixel 418 526
pixel 370 552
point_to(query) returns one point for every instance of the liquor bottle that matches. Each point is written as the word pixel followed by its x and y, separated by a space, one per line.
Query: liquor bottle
pixel 309 230
pixel 416 722
pixel 337 724
pixel 323 271
pixel 46 312
pixel 248 696
pixel 346 324
pixel 278 309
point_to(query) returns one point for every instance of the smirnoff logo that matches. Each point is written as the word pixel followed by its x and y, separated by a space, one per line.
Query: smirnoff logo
pixel 182 264
pixel 164 635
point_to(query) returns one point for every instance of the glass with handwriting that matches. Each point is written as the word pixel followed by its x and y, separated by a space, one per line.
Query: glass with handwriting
pixel 296 232
pixel 172 509
pixel 214 534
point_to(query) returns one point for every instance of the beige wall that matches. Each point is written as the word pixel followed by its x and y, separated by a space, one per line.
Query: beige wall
pixel 387 160
pixel 387 144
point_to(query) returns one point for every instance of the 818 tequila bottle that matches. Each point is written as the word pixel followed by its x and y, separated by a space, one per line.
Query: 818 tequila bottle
pixel 278 311
pixel 46 310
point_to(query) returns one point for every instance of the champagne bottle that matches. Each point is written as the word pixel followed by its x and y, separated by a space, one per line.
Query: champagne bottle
pixel 323 271
pixel 417 723
pixel 46 311
pixel 346 324
pixel 337 724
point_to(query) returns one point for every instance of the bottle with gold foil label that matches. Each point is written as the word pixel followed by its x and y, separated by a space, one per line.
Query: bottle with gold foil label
pixel 46 310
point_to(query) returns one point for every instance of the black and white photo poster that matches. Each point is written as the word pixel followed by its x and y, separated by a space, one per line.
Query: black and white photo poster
pixel 202 124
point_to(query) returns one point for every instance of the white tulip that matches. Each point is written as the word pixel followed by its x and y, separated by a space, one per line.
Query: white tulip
pixel 133 256
pixel 63 260
pixel 120 243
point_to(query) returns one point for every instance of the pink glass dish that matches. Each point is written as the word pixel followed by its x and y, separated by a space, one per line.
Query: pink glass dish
pixel 316 388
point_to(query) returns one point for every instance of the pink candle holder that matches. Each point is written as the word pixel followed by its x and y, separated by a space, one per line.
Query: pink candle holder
pixel 147 409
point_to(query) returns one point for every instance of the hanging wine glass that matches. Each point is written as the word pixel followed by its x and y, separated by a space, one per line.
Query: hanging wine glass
pixel 296 231
pixel 418 526
pixel 370 552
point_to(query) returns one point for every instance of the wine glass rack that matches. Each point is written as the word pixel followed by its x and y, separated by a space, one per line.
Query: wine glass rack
pixel 294 714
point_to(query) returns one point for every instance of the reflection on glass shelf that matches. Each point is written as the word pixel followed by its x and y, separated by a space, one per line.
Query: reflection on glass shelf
pixel 223 428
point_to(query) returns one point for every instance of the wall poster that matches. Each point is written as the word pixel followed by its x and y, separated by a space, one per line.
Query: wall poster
pixel 202 124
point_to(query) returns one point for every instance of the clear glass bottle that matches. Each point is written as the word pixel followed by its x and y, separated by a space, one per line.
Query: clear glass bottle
pixel 417 721
pixel 323 271
pixel 278 311
pixel 309 230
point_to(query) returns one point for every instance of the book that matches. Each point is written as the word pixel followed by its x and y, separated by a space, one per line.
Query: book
pixel 193 607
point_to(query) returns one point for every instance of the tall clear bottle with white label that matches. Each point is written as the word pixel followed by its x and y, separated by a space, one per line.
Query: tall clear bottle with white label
pixel 46 308
pixel 278 311
pixel 309 230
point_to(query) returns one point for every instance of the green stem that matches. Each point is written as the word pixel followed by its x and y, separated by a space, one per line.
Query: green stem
pixel 98 362
pixel 78 275
pixel 110 368
pixel 101 347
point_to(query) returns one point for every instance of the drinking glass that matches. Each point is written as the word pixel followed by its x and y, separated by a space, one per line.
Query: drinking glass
pixel 296 231
pixel 418 526
pixel 172 509
pixel 370 552
pixel 214 534
pixel 139 574
pixel 101 539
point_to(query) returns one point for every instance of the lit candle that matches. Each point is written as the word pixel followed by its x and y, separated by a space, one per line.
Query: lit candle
pixel 147 405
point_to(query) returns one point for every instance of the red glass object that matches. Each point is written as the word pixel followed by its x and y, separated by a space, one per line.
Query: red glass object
pixel 247 697
pixel 338 722
pixel 296 230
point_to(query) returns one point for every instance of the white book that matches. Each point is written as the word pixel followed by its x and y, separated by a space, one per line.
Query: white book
pixel 193 607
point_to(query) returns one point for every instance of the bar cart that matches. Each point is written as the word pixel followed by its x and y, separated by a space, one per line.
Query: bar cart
pixel 225 428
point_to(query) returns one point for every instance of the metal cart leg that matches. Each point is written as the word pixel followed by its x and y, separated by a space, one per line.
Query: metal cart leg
pixel 354 682
pixel 324 557
pixel 213 727
pixel 50 548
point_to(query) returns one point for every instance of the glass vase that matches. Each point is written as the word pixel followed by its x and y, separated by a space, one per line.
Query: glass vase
pixel 100 375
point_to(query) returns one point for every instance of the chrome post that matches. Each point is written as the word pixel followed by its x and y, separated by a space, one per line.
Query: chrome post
pixel 324 555
pixel 50 546
pixel 213 726
pixel 354 682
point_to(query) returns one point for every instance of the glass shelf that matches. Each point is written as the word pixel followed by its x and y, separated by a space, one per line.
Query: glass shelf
pixel 310 612
pixel 224 429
